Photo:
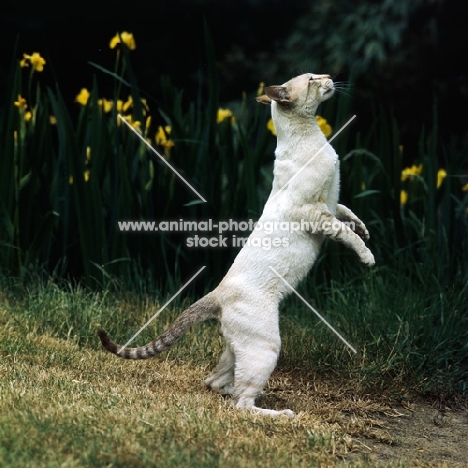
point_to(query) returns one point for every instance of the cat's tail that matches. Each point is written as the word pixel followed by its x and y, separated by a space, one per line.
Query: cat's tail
pixel 205 308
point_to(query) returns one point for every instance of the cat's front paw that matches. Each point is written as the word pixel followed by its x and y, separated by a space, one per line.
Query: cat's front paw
pixel 361 230
pixel 367 258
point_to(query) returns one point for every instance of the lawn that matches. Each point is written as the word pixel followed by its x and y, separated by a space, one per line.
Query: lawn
pixel 65 402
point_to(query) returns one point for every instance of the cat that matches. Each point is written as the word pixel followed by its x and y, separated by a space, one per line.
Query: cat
pixel 247 299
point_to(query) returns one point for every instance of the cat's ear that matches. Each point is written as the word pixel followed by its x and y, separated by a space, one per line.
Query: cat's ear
pixel 278 93
pixel 264 99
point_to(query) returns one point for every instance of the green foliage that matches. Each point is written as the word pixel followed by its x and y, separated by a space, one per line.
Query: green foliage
pixel 373 30
pixel 384 44
pixel 406 331
pixel 65 186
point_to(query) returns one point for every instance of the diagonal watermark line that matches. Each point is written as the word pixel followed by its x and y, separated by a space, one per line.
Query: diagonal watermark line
pixel 161 309
pixel 314 311
pixel 160 157
pixel 314 156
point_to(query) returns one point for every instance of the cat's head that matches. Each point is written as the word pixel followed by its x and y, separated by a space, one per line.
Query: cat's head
pixel 300 95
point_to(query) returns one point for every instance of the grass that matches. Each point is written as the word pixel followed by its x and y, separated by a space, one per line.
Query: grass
pixel 64 186
pixel 63 405
pixel 67 403
pixel 133 416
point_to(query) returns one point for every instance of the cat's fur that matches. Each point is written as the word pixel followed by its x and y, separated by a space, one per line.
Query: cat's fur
pixel 247 299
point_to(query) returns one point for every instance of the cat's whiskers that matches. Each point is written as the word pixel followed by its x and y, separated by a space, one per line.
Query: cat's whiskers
pixel 340 91
pixel 342 87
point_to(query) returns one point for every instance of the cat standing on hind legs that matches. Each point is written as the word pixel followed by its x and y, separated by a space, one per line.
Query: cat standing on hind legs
pixel 247 300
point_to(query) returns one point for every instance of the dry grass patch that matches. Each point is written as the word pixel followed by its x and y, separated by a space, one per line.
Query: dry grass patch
pixel 66 406
pixel 65 402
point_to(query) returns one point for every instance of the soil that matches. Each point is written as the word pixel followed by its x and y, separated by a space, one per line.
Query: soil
pixel 420 434
pixel 391 428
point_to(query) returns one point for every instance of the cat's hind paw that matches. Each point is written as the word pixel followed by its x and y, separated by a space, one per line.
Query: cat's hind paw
pixel 288 413
pixel 219 385
pixel 273 413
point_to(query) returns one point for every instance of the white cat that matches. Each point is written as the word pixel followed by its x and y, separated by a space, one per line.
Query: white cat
pixel 247 299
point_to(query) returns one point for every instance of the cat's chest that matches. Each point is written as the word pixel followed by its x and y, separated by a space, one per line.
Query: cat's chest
pixel 308 180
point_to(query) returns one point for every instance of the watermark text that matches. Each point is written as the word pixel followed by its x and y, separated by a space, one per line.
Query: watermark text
pixel 267 235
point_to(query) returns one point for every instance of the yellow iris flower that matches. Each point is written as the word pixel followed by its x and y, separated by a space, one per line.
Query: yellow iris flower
pixel 224 114
pixel 403 197
pixel 21 102
pixel 261 88
pixel 119 105
pixel 271 127
pixel 22 105
pixel 126 105
pixel 410 172
pixel 82 97
pixel 441 175
pixel 324 125
pixel 35 59
pixel 125 37
pixel 145 106
pixel 136 124
pixel 162 137
pixel 106 105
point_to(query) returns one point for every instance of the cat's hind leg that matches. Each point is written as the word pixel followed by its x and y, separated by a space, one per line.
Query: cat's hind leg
pixel 255 340
pixel 253 369
pixel 223 374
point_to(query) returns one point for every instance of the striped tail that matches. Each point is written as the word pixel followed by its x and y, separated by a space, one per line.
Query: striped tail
pixel 205 308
